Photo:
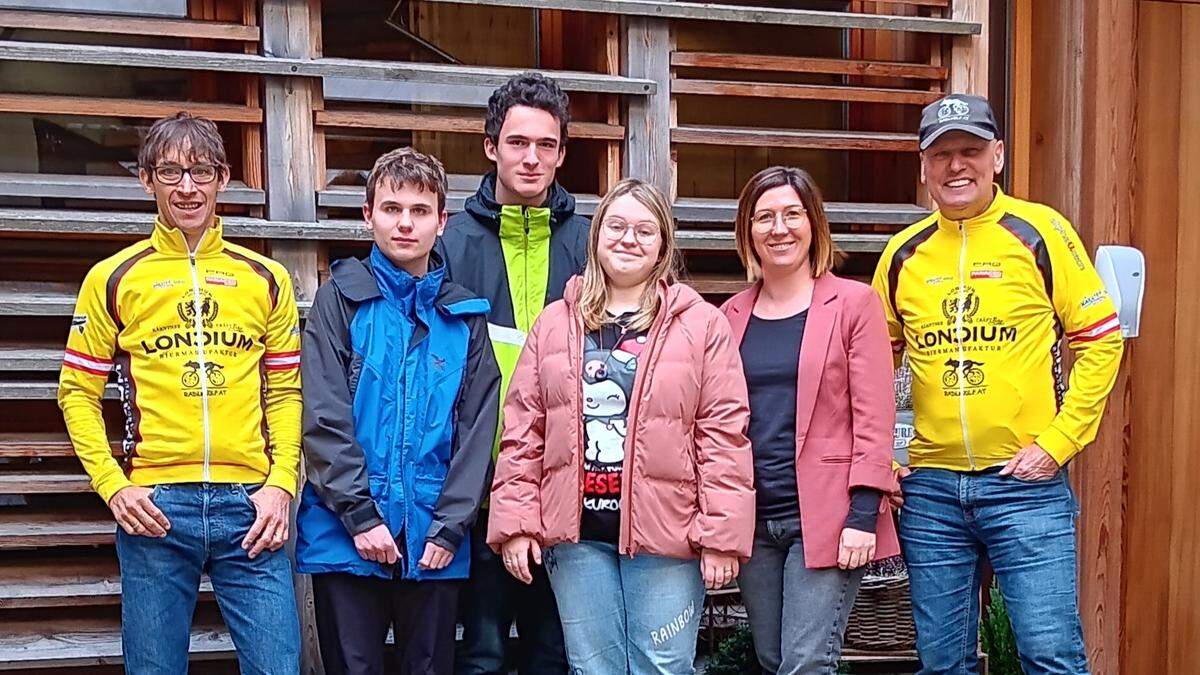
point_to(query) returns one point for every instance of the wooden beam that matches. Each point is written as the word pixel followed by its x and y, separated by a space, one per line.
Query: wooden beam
pixel 716 284
pixel 697 11
pixel 126 107
pixel 459 124
pixel 290 30
pixel 969 53
pixel 112 188
pixel 430 74
pixel 647 44
pixel 127 25
pixel 701 210
pixel 23 527
pixel 79 579
pixel 36 298
pixel 59 645
pixel 804 91
pixel 690 239
pixel 16 445
pixel 795 138
pixel 1019 145
pixel 799 64
pixel 43 482
pixel 126 223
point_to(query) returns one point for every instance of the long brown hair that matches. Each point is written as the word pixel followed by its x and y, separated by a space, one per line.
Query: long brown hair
pixel 593 300
pixel 823 255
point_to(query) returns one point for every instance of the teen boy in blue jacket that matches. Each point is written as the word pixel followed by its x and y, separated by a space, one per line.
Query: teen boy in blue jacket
pixel 401 391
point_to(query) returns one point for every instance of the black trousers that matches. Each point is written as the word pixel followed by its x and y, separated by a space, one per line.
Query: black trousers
pixel 354 614
pixel 490 600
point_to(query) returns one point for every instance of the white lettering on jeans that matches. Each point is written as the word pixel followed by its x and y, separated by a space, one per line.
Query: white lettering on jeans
pixel 676 625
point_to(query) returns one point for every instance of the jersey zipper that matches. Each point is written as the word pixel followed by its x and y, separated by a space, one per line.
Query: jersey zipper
pixel 525 260
pixel 958 328
pixel 198 330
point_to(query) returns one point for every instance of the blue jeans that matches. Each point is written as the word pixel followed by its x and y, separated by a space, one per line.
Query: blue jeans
pixel 797 615
pixel 626 615
pixel 160 579
pixel 951 522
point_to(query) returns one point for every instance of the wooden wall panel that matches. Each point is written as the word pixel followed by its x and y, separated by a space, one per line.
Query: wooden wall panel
pixel 1161 618
pixel 1183 613
pixel 1106 209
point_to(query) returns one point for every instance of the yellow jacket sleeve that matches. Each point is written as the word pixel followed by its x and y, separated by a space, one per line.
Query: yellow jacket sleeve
pixel 87 362
pixel 894 328
pixel 1093 333
pixel 283 401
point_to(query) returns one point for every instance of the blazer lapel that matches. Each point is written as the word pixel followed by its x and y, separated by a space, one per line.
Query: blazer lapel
pixel 740 308
pixel 822 314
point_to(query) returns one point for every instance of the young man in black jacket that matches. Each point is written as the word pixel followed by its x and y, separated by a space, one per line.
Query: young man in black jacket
pixel 516 243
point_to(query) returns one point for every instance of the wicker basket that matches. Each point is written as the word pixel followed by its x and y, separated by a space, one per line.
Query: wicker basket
pixel 882 619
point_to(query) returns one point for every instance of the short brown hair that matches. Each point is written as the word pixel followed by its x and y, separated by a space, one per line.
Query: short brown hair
pixel 822 253
pixel 195 137
pixel 407 166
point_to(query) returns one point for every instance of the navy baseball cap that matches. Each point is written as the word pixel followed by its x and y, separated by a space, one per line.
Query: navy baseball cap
pixel 957 112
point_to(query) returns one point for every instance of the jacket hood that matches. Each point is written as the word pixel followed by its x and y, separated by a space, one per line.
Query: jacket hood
pixel 675 298
pixel 484 207
pixel 356 279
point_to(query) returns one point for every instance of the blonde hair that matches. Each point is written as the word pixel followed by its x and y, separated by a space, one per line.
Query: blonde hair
pixel 823 255
pixel 593 300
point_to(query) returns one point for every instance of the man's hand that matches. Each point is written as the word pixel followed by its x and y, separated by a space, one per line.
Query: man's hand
pixel 1031 463
pixel 435 557
pixel 377 545
pixel 896 497
pixel 517 553
pixel 857 548
pixel 137 514
pixel 718 569
pixel 270 528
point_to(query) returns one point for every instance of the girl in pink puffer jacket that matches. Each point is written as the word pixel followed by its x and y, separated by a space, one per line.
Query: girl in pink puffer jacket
pixel 624 464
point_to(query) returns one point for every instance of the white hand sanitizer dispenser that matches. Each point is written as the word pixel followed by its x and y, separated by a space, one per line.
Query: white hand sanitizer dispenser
pixel 1123 271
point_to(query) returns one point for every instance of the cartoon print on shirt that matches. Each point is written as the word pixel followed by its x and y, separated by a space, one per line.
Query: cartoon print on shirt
pixel 608 376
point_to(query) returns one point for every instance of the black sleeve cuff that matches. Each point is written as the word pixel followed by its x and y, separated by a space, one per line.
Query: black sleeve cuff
pixel 446 537
pixel 362 518
pixel 864 509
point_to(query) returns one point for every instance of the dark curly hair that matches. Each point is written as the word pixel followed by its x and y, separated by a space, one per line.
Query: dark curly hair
pixel 531 89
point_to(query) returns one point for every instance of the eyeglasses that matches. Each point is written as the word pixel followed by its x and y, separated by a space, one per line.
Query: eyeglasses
pixel 793 219
pixel 171 174
pixel 645 233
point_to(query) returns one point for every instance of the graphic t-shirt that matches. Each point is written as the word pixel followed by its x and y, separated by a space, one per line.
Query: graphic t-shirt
pixel 610 362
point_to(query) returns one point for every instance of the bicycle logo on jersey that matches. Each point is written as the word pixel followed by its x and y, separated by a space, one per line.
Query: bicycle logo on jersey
pixel 962 370
pixel 212 373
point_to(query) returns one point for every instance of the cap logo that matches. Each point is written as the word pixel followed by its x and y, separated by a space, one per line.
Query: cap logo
pixel 953 110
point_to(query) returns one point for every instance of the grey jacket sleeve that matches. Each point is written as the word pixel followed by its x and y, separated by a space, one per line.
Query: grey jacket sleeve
pixel 476 415
pixel 335 462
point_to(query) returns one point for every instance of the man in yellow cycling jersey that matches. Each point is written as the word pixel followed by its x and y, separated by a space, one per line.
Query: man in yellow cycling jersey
pixel 980 295
pixel 204 339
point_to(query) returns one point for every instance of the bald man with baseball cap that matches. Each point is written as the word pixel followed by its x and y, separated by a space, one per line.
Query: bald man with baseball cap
pixel 980 295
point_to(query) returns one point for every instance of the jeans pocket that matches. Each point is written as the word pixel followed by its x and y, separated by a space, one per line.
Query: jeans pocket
pixel 245 492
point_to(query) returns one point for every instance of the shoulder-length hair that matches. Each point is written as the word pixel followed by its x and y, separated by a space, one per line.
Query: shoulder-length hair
pixel 822 254
pixel 593 299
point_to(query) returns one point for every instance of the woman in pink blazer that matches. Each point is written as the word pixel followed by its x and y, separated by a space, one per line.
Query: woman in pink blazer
pixel 818 364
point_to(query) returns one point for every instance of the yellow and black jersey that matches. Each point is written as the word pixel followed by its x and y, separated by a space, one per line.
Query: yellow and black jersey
pixel 981 307
pixel 206 351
